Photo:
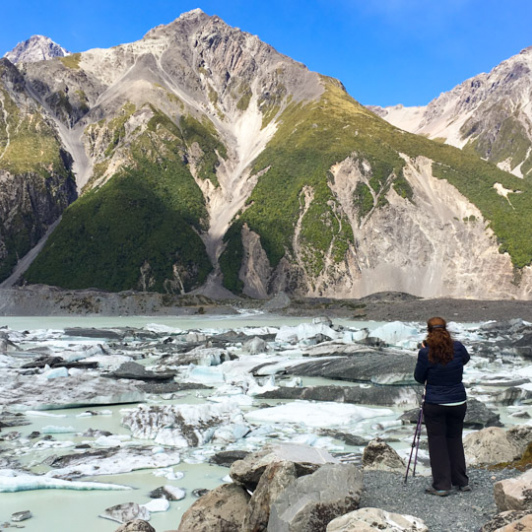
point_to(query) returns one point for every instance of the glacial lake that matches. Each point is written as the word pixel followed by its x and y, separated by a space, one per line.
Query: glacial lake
pixel 59 510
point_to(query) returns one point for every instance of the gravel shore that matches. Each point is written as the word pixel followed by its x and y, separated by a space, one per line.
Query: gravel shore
pixel 458 512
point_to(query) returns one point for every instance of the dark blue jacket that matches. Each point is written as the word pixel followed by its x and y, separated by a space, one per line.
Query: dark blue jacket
pixel 444 383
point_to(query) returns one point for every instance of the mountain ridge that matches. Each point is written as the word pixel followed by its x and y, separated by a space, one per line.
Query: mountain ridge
pixel 209 162
pixel 36 48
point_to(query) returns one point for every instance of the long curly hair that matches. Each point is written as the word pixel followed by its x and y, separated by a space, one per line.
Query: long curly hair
pixel 439 342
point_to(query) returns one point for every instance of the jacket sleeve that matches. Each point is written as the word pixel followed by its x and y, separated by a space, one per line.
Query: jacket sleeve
pixel 420 373
pixel 465 355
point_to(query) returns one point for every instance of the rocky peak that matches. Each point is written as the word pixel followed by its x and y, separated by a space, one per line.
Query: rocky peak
pixel 36 48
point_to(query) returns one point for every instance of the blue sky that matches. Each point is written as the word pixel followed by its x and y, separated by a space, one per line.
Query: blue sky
pixel 384 51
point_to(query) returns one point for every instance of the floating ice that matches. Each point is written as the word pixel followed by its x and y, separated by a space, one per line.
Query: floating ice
pixel 304 331
pixel 205 374
pixel 157 505
pixel 397 333
pixel 57 429
pixel 37 413
pixel 159 328
pixel 169 473
pixel 56 373
pixel 316 414
pixel 31 482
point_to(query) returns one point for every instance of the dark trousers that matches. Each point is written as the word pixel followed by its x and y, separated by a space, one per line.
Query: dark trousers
pixel 444 430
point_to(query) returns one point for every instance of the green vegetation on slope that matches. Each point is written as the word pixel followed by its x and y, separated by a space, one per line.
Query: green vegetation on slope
pixel 109 234
pixel 314 136
pixel 145 218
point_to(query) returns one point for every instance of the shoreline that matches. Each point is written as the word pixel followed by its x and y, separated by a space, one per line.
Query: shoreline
pixel 41 300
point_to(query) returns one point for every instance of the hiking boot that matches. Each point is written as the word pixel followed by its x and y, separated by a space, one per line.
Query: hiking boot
pixel 439 493
pixel 465 488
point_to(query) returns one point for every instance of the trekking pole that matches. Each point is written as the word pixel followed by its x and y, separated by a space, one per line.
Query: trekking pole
pixel 415 442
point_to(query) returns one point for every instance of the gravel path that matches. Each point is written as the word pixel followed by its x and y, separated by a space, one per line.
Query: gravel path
pixel 458 512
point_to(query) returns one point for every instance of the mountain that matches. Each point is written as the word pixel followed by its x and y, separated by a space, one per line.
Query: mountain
pixel 36 48
pixel 490 115
pixel 208 162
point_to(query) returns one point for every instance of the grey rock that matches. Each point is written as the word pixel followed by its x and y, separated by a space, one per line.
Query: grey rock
pixel 490 446
pixel 306 459
pixel 276 478
pixel 312 501
pixel 129 511
pixel 370 519
pixel 221 509
pixel 379 456
pixel 503 519
pixel 226 458
pixel 514 493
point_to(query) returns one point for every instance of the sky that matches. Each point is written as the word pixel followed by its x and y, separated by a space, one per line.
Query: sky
pixel 385 52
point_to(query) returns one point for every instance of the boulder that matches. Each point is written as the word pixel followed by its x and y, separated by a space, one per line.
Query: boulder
pixel 501 520
pixel 306 459
pixel 514 493
pixel 221 509
pixel 226 458
pixel 520 436
pixel 379 456
pixel 309 503
pixel 370 519
pixel 275 479
pixel 138 525
pixel 122 513
pixel 489 446
pixel 525 523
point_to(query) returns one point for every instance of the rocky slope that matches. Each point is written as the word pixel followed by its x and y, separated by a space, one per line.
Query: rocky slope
pixel 36 182
pixel 36 48
pixel 209 162
pixel 490 114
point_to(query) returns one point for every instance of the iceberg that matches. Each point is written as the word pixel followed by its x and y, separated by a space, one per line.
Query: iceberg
pixel 398 334
pixel 31 482
pixel 317 415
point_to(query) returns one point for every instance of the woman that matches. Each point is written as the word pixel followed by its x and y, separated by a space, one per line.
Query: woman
pixel 440 365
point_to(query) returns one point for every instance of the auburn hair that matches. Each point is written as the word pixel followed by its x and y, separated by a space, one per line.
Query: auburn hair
pixel 439 341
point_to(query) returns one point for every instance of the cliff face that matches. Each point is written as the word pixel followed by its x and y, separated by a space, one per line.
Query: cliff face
pixel 36 183
pixel 209 162
pixel 490 114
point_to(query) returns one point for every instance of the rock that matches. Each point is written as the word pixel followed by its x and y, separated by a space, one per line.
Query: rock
pixel 346 437
pixel 200 492
pixel 278 302
pixel 221 509
pixel 226 458
pixel 371 519
pixel 275 479
pixel 171 387
pixel 21 516
pixel 138 525
pixel 309 503
pixel 520 436
pixel 503 519
pixel 306 459
pixel 525 523
pixel 514 493
pixel 489 446
pixel 379 456
pixel 122 513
